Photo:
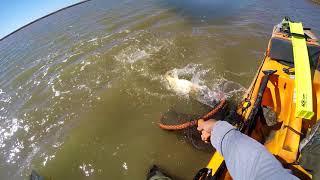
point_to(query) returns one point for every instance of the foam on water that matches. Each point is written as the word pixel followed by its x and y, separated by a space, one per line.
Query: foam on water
pixel 87 169
pixel 135 53
pixel 189 81
pixel 47 158
pixel 4 97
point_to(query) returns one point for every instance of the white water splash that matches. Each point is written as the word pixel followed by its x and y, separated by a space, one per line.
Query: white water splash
pixel 131 56
pixel 4 97
pixel 13 155
pixel 45 72
pixel 134 53
pixel 125 166
pixel 47 158
pixel 87 169
pixel 58 93
pixel 65 60
pixel 93 39
pixel 188 82
pixel 84 66
pixel 11 129
pixel 229 88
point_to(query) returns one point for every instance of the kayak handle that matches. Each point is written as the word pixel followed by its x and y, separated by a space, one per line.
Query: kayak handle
pixel 251 119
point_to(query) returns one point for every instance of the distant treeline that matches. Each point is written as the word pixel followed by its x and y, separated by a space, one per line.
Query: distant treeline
pixel 43 18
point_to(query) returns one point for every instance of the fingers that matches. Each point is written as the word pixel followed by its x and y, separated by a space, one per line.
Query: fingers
pixel 199 128
pixel 205 127
pixel 205 136
pixel 200 125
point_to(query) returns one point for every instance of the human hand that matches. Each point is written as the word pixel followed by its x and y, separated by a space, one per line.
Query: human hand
pixel 205 127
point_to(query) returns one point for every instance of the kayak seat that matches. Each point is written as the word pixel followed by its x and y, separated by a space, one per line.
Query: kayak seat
pixel 281 51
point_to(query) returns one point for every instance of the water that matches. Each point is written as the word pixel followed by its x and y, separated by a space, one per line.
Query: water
pixel 82 90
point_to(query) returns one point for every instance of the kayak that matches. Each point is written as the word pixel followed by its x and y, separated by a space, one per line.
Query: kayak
pixel 282 104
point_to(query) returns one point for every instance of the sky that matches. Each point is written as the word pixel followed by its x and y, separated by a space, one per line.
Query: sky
pixel 17 13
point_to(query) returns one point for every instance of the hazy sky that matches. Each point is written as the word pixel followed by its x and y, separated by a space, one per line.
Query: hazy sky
pixel 17 13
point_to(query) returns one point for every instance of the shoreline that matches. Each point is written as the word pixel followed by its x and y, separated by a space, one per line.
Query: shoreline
pixel 316 1
pixel 54 12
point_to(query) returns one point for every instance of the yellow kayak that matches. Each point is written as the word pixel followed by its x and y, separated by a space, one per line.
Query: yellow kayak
pixel 272 109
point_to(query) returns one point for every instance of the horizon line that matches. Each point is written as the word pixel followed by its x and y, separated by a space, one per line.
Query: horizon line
pixel 34 21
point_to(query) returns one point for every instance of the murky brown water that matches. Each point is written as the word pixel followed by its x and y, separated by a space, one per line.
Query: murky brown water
pixel 82 90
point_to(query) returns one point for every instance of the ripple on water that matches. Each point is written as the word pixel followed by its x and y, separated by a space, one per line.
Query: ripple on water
pixel 65 65
pixel 138 50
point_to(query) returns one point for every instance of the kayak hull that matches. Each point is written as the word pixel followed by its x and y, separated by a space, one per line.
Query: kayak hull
pixel 283 138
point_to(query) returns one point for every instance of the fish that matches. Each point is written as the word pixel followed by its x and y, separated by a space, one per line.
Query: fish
pixel 187 88
pixel 181 86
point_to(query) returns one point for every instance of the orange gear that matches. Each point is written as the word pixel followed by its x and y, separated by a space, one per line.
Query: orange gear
pixel 194 122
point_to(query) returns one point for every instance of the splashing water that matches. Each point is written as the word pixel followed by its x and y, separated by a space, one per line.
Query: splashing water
pixel 87 169
pixel 188 82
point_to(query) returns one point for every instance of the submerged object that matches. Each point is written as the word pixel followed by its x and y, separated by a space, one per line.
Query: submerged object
pixel 275 88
